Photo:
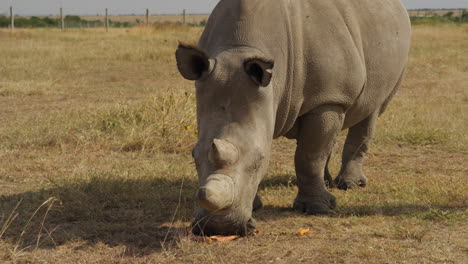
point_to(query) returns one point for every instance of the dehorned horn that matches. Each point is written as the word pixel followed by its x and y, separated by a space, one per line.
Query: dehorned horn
pixel 223 153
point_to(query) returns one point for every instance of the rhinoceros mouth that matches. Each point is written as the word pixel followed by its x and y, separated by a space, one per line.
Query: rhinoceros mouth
pixel 210 226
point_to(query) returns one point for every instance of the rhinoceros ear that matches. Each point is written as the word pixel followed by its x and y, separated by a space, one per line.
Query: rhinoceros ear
pixel 259 70
pixel 191 62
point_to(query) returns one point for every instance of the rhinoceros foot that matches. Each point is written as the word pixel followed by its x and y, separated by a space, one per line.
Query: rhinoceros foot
pixel 351 177
pixel 321 203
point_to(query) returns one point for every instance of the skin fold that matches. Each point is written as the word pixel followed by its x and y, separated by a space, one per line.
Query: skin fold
pixel 305 70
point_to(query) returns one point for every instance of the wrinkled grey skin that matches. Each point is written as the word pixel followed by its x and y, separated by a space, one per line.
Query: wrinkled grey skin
pixel 301 69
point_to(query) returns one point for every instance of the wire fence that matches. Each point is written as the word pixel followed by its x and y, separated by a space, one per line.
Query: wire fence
pixel 108 20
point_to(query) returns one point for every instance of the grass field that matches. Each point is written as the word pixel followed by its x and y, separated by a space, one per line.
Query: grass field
pixel 95 163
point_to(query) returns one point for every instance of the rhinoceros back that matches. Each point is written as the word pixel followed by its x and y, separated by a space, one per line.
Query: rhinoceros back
pixel 348 53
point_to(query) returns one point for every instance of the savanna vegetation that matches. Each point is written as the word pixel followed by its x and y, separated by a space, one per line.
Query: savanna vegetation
pixel 71 21
pixel 95 159
pixel 418 17
pixel 449 17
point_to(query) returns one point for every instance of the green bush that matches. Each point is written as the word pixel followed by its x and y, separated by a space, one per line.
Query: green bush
pixel 37 22
pixel 4 21
pixel 435 19
pixel 120 24
pixel 73 19
pixel 70 22
pixel 23 22
pixel 200 24
pixel 449 14
pixel 51 22
pixel 29 22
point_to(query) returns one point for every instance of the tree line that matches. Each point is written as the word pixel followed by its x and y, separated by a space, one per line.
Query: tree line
pixel 77 22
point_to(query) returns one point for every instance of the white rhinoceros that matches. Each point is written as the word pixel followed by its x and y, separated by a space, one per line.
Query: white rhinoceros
pixel 304 69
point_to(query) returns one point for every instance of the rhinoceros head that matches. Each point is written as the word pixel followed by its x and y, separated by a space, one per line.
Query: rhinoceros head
pixel 235 123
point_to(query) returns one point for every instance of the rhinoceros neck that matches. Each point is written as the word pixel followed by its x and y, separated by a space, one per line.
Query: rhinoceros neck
pixel 267 28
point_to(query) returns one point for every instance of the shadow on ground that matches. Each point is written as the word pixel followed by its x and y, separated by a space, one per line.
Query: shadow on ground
pixel 138 214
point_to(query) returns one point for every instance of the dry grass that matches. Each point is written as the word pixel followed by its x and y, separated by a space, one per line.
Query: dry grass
pixel 95 162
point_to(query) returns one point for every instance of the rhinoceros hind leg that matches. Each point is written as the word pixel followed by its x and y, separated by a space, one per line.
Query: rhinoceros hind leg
pixel 315 140
pixel 355 148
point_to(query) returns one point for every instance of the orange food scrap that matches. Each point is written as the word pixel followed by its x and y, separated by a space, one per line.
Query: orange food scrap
pixel 223 238
pixel 303 231
pixel 208 239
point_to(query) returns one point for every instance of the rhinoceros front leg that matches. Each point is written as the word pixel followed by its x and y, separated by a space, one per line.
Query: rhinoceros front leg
pixel 327 175
pixel 257 203
pixel 315 140
pixel 356 145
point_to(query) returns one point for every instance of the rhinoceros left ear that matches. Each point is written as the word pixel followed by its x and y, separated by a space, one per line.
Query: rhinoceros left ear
pixel 191 62
pixel 259 70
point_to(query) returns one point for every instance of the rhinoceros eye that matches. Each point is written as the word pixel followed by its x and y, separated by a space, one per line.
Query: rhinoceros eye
pixel 259 70
pixel 255 72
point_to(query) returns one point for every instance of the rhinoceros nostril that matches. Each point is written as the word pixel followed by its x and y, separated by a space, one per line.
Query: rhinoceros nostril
pixel 201 194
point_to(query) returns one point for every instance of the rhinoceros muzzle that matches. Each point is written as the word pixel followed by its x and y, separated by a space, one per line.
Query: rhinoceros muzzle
pixel 208 225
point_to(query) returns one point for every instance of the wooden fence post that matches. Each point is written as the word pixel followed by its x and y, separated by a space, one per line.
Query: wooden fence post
pixel 183 17
pixel 62 20
pixel 147 16
pixel 12 20
pixel 107 20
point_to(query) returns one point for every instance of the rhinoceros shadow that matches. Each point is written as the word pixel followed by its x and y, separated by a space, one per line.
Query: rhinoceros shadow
pixel 144 215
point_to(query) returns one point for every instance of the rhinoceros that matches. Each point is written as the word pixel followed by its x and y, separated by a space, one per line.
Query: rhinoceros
pixel 303 69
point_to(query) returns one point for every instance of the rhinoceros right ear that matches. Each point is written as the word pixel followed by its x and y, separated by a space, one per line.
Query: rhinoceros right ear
pixel 191 62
